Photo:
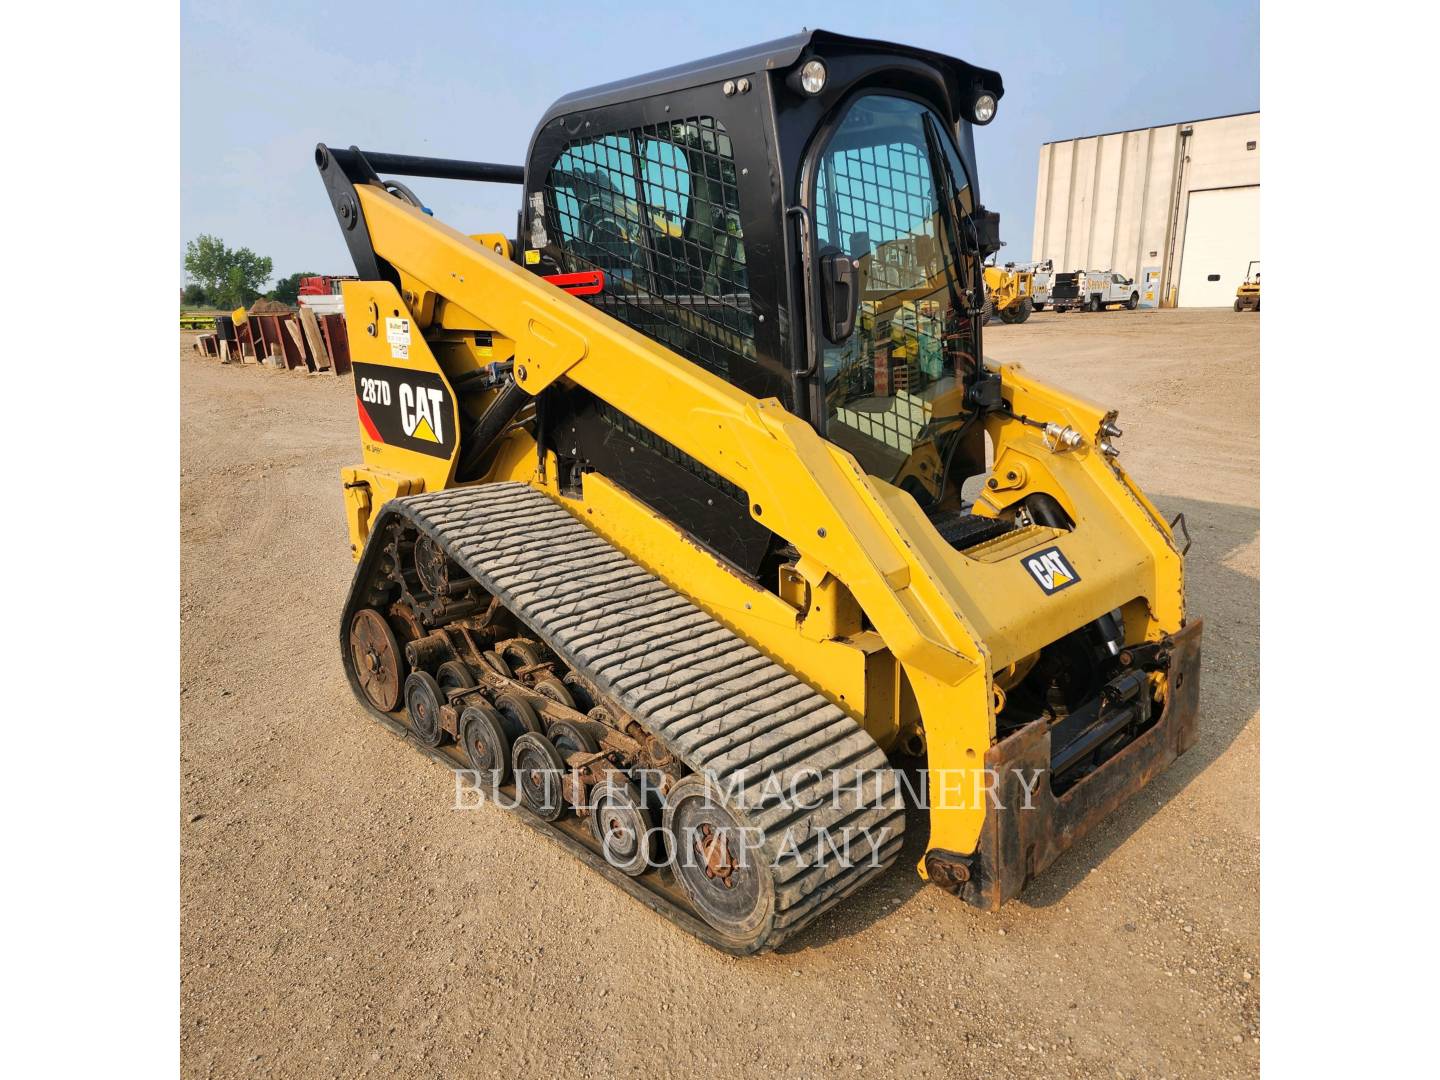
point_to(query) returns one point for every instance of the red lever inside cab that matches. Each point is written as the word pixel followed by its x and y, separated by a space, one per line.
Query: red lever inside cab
pixel 585 283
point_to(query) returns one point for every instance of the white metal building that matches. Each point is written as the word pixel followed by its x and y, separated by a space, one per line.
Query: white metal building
pixel 1176 207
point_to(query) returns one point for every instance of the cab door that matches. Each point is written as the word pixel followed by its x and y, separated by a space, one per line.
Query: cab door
pixel 873 195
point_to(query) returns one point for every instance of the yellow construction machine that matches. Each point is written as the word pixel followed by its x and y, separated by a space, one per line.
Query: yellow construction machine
pixel 693 525
pixel 1010 293
pixel 1247 293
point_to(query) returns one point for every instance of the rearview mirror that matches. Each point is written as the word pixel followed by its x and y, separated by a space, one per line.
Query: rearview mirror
pixel 839 293
pixel 987 231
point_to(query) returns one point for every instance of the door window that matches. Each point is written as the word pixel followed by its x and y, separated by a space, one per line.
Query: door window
pixel 876 198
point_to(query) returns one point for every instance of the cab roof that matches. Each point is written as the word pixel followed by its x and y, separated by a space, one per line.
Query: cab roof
pixel 780 54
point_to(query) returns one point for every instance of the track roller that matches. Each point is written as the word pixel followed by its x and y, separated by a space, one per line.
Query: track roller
pixel 539 775
pixel 454 675
pixel 579 692
pixel 518 715
pixel 520 654
pixel 554 689
pixel 423 698
pixel 570 738
pixel 487 747
pixel 622 825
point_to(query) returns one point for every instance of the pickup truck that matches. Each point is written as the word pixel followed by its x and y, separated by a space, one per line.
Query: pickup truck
pixel 1093 290
pixel 1044 273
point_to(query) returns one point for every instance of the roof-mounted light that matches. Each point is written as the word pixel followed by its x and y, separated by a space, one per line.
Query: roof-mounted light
pixel 984 108
pixel 812 76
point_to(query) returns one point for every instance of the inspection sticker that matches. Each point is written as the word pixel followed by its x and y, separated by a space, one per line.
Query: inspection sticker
pixel 397 333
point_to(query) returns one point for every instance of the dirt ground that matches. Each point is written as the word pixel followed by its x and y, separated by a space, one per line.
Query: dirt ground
pixel 339 918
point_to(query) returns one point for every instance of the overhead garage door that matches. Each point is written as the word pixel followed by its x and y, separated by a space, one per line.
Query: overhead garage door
pixel 1222 235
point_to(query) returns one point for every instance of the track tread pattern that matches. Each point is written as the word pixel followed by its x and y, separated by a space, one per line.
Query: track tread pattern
pixel 721 705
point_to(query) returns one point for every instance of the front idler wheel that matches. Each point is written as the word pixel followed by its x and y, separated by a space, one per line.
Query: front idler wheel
pixel 422 701
pixel 377 660
pixel 539 775
pixel 623 826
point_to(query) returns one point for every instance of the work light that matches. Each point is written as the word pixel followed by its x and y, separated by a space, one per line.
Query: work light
pixel 812 77
pixel 984 108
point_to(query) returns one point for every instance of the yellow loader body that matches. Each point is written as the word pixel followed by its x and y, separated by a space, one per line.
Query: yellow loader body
pixel 746 414
pixel 946 624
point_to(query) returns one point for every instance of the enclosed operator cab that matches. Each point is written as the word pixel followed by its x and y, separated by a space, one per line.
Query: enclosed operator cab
pixel 671 187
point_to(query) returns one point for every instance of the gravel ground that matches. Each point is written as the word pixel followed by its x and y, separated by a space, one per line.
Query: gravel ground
pixel 339 918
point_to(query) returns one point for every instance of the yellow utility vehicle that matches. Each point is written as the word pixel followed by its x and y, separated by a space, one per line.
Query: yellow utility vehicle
pixel 1247 293
pixel 1010 292
pixel 687 512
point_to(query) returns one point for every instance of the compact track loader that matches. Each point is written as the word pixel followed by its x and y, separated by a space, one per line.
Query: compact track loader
pixel 690 510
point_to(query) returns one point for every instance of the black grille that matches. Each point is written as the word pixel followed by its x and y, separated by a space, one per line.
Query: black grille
pixel 961 530
pixel 657 209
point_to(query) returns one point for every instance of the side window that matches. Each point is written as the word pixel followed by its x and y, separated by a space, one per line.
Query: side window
pixel 593 190
pixel 657 208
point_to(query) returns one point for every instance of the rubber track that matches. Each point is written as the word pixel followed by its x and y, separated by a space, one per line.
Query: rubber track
pixel 719 703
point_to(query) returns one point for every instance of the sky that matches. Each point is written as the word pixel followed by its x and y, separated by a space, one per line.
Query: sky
pixel 262 83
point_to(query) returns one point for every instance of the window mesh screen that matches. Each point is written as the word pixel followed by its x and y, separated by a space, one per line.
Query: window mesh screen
pixel 878 200
pixel 877 203
pixel 657 209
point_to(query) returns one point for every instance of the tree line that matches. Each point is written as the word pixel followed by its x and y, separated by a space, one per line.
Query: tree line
pixel 227 278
